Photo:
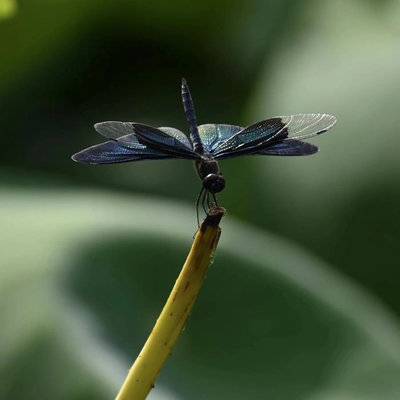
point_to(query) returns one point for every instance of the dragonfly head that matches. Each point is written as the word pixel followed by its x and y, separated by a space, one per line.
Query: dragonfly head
pixel 214 183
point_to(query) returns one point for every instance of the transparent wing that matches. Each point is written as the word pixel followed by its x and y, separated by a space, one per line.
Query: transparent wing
pixel 304 126
pixel 111 152
pixel 262 133
pixel 122 132
pixel 289 147
pixel 133 135
pixel 177 134
pixel 213 134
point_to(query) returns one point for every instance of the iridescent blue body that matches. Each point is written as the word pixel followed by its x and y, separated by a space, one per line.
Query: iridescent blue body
pixel 190 113
pixel 205 144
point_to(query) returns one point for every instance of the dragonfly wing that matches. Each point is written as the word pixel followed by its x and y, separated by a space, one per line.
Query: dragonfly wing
pixel 138 136
pixel 262 134
pixel 213 134
pixel 253 135
pixel 177 134
pixel 114 129
pixel 122 132
pixel 289 147
pixel 112 152
pixel 305 126
pixel 164 141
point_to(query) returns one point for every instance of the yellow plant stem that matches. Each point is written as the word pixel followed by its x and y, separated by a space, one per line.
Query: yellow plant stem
pixel 172 320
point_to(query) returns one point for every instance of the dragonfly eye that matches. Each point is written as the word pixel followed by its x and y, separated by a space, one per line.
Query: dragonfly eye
pixel 214 183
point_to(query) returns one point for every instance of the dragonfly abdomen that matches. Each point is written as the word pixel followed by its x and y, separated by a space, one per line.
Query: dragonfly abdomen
pixel 190 113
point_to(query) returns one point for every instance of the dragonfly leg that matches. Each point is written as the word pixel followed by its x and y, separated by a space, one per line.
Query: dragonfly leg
pixel 198 205
pixel 209 202
pixel 204 200
pixel 215 199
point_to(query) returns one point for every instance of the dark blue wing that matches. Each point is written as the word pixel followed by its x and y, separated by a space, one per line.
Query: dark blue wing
pixel 253 135
pixel 111 152
pixel 131 135
pixel 289 147
pixel 212 135
pixel 259 135
pixel 163 141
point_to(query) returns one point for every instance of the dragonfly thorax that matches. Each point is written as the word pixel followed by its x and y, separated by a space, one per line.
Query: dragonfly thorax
pixel 210 174
pixel 207 166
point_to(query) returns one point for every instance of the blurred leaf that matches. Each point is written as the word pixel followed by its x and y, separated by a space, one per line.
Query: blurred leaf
pixel 7 8
pixel 342 202
pixel 86 275
pixel 46 32
pixel 346 63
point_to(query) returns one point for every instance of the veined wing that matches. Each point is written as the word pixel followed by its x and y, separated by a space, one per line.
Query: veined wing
pixel 260 135
pixel 112 152
pixel 177 134
pixel 164 141
pixel 212 135
pixel 305 126
pixel 133 135
pixel 252 136
pixel 289 147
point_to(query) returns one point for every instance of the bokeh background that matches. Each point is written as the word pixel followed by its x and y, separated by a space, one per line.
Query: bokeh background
pixel 303 299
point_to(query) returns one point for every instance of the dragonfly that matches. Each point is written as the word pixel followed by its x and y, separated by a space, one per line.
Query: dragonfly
pixel 205 144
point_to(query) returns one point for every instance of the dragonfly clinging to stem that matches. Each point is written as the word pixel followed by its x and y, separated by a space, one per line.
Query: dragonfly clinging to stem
pixel 205 144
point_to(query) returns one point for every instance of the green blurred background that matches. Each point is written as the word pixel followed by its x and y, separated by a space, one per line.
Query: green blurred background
pixel 302 301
